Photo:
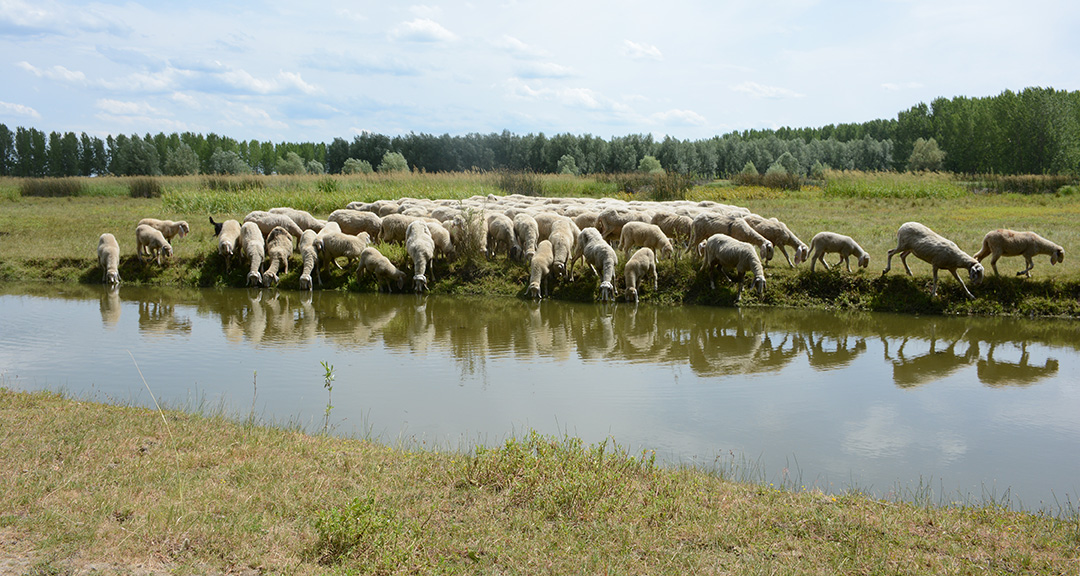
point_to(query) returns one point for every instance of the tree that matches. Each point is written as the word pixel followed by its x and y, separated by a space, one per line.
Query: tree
pixel 393 162
pixel 650 165
pixel 314 167
pixel 290 164
pixel 135 157
pixel 228 162
pixel 354 166
pixel 790 164
pixel 925 155
pixel 567 165
pixel 7 151
pixel 181 160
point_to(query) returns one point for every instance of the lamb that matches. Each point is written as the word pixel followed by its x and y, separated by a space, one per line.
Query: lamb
pixel 279 246
pixel 267 221
pixel 598 254
pixel 540 270
pixel 302 218
pixel 371 260
pixel 938 251
pixel 340 245
pixel 1003 242
pixel 254 247
pixel 354 222
pixel 309 252
pixel 648 235
pixel 500 235
pixel 151 242
pixel 421 248
pixel 641 263
pixel 108 255
pixel 527 232
pixel 168 228
pixel 832 243
pixel 731 224
pixel 780 235
pixel 228 233
pixel 725 252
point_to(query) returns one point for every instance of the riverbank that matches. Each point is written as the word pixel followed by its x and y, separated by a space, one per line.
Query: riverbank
pixel 131 490
pixel 54 240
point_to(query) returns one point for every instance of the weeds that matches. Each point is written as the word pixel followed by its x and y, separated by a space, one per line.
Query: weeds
pixel 363 532
pixel 145 188
pixel 328 384
pixel 52 187
pixel 521 182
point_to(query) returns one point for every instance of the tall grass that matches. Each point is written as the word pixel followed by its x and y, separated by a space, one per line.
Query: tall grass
pixel 851 184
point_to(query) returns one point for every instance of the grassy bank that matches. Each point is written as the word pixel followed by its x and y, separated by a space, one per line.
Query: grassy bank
pixel 126 489
pixel 54 239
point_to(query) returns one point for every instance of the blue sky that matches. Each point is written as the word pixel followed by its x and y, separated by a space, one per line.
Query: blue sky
pixel 293 71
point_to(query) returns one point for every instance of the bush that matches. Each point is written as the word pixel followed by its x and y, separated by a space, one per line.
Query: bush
pixel 393 162
pixel 670 186
pixel 291 164
pixel 181 161
pixel 51 187
pixel 650 165
pixel 524 183
pixel 228 162
pixel 926 156
pixel 362 531
pixel 1027 184
pixel 568 165
pixel 355 166
pixel 145 188
pixel 778 177
pixel 748 176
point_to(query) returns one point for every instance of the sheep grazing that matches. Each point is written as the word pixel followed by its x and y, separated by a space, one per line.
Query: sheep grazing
pixel 393 228
pixel 339 245
pixel 384 271
pixel 267 221
pixel 228 233
pixel 151 242
pixel 730 224
pixel 727 253
pixel 1004 242
pixel 642 263
pixel 108 255
pixel 562 239
pixel 527 232
pixel 540 270
pixel 938 251
pixel 610 221
pixel 597 254
pixel 676 226
pixel 780 235
pixel 635 234
pixel 309 252
pixel 302 218
pixel 254 247
pixel 279 246
pixel 421 248
pixel 168 228
pixel 500 235
pixel 354 222
pixel 443 244
pixel 832 243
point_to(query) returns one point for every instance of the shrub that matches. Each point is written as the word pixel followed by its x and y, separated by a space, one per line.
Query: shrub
pixel 748 176
pixel 650 165
pixel 314 167
pixel 778 177
pixel 327 185
pixel 145 188
pixel 1027 183
pixel 181 161
pixel 51 187
pixel 290 164
pixel 670 186
pixel 228 162
pixel 393 162
pixel 567 165
pixel 355 166
pixel 524 183
pixel 362 531
pixel 926 156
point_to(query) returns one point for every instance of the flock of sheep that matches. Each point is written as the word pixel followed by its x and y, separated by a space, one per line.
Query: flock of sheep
pixel 549 235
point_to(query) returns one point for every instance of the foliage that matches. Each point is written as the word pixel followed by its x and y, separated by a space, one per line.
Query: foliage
pixel 181 161
pixel 650 165
pixel 291 164
pixel 393 162
pixel 145 188
pixel 926 155
pixel 1024 184
pixel 524 183
pixel 234 184
pixel 228 162
pixel 567 165
pixel 314 167
pixel 362 531
pixel 778 176
pixel 354 166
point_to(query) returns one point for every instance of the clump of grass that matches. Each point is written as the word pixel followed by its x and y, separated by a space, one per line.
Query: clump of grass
pixel 1024 183
pixel 145 188
pixel 234 183
pixel 521 182
pixel 51 187
pixel 363 532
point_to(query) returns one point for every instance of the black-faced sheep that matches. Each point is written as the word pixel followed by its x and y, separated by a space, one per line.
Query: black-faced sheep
pixel 1004 242
pixel 832 243
pixel 108 253
pixel 938 251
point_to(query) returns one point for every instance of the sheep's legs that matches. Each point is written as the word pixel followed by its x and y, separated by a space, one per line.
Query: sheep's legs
pixel 847 263
pixel 962 285
pixel 1027 270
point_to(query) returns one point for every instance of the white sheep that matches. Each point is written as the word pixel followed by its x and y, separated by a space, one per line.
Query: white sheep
pixel 938 251
pixel 563 240
pixel 635 234
pixel 500 235
pixel 308 248
pixel 725 252
pixel 1004 242
pixel 356 221
pixel 302 218
pixel 254 247
pixel 168 228
pixel 832 243
pixel 421 248
pixel 610 221
pixel 780 235
pixel 384 271
pixel 393 228
pixel 444 245
pixel 151 242
pixel 540 270
pixel 598 254
pixel 336 245
pixel 527 232
pixel 731 224
pixel 267 221
pixel 674 225
pixel 642 263
pixel 108 254
pixel 279 246
pixel 228 233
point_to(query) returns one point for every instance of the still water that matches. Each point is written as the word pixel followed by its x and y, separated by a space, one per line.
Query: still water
pixel 969 409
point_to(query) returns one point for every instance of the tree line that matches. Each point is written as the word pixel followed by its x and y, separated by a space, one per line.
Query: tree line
pixel 1035 131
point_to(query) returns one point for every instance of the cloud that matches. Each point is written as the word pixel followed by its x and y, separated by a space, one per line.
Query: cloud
pixel 518 48
pixel 366 64
pixel 680 117
pixel 120 108
pixel 545 70
pixel 891 87
pixel 761 91
pixel 48 18
pixel 422 30
pixel 641 51
pixel 58 73
pixel 9 109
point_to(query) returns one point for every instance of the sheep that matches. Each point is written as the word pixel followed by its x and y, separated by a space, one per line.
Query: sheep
pixel 674 225
pixel 585 219
pixel 597 253
pixel 731 224
pixel 641 263
pixel 443 244
pixel 108 254
pixel 371 260
pixel 647 235
pixel 562 239
pixel 302 218
pixel 500 235
pixel 279 246
pixel 254 247
pixel 421 248
pixel 1003 242
pixel 780 235
pixel 610 221
pixel 309 247
pixel 393 228
pixel 725 252
pixel 540 270
pixel 527 232
pixel 228 233
pixel 168 228
pixel 832 243
pixel 355 222
pixel 267 221
pixel 340 245
pixel 468 232
pixel 151 242
pixel 938 251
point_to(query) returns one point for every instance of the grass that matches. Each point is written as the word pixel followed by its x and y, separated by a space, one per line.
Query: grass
pixel 86 483
pixel 870 210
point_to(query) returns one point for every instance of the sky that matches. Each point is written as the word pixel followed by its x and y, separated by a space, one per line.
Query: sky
pixel 305 72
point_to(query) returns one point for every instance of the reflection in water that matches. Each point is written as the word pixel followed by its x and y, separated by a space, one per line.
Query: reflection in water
pixel 931 365
pixel 109 304
pixel 994 372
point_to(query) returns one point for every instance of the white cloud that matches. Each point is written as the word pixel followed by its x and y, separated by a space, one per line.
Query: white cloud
pixel 518 48
pixel 422 30
pixel 680 117
pixel 58 73
pixel 9 109
pixel 120 108
pixel 545 70
pixel 761 91
pixel 641 51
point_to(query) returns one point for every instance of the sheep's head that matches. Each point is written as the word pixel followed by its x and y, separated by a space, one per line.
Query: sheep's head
pixel 185 229
pixel 766 250
pixel 112 277
pixel 631 294
pixel 975 273
pixel 269 278
pixel 759 285
pixel 558 269
pixel 166 251
pixel 864 260
pixel 254 279
pixel 803 252
pixel 305 282
pixel 419 283
pixel 533 291
pixel 217 226
pixel 701 248
pixel 1058 255
pixel 399 276
pixel 607 291
pixel 667 250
